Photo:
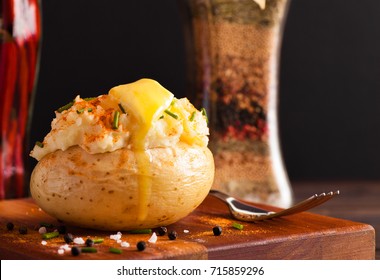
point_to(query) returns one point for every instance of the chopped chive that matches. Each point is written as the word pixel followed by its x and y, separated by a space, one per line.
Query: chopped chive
pixel 50 235
pixel 237 226
pixel 89 110
pixel 162 117
pixel 40 144
pixel 140 231
pixel 65 107
pixel 80 111
pixel 192 116
pixel 175 116
pixel 115 250
pixel 204 113
pixel 122 108
pixel 89 250
pixel 99 240
pixel 173 102
pixel 89 98
pixel 115 123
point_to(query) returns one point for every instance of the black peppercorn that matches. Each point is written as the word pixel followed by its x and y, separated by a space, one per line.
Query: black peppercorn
pixel 141 245
pixel 217 230
pixel 68 237
pixel 75 251
pixel 23 230
pixel 162 231
pixel 89 242
pixel 10 226
pixel 172 235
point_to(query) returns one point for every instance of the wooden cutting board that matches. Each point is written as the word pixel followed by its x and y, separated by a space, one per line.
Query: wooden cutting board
pixel 301 236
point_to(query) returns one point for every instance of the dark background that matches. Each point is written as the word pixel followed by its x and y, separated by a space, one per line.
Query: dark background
pixel 329 86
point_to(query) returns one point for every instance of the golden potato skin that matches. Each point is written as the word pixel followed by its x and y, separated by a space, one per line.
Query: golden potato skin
pixel 100 191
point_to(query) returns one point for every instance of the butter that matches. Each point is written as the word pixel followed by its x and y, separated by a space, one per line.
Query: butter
pixel 146 99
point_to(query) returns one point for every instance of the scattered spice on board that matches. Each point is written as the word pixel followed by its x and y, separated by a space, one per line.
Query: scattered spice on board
pixel 23 230
pixel 75 251
pixel 172 235
pixel 50 235
pixel 162 231
pixel 89 250
pixel 217 230
pixel 10 226
pixel 68 237
pixel 125 244
pixel 78 240
pixel 65 247
pixel 141 245
pixel 140 231
pixel 237 226
pixel 116 236
pixel 115 250
pixel 153 238
pixel 42 230
pixel 98 240
pixel 89 242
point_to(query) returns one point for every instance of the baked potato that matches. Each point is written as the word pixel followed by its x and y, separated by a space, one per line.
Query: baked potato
pixel 146 171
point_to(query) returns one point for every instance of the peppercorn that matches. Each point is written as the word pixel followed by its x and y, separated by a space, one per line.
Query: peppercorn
pixel 89 242
pixel 141 245
pixel 217 230
pixel 10 226
pixel 23 230
pixel 172 235
pixel 75 251
pixel 68 237
pixel 61 229
pixel 162 231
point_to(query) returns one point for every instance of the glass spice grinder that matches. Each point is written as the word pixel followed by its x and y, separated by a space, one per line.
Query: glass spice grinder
pixel 232 52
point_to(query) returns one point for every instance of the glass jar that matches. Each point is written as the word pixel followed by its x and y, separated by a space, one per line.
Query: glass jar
pixel 20 34
pixel 232 58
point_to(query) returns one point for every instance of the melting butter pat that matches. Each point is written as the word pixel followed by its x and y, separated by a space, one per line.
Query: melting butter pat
pixel 146 99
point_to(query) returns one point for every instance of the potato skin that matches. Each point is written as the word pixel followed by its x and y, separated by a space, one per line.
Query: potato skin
pixel 100 191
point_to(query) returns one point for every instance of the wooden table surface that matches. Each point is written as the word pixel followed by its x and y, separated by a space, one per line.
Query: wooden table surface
pixel 359 201
pixel 301 236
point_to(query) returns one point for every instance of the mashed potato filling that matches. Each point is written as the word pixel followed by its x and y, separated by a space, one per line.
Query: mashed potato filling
pixel 138 116
pixel 88 123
